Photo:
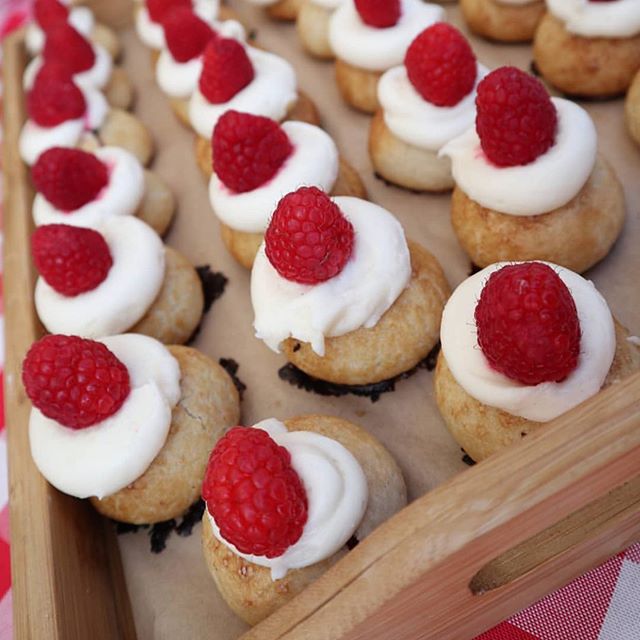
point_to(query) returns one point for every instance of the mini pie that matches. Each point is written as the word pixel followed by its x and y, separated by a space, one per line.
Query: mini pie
pixel 363 308
pixel 87 286
pixel 369 37
pixel 632 108
pixel 81 188
pixel 373 489
pixel 550 197
pixel 503 374
pixel 312 26
pixel 257 162
pixel 503 20
pixel 137 444
pixel 81 117
pixel 587 48
pixel 425 103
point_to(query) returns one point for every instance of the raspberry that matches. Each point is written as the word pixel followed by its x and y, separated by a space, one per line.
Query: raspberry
pixel 225 71
pixel 158 9
pixel 186 34
pixel 248 150
pixel 515 119
pixel 308 239
pixel 379 13
pixel 528 327
pixel 75 381
pixel 72 260
pixel 254 494
pixel 69 178
pixel 53 100
pixel 49 13
pixel 66 46
pixel 441 65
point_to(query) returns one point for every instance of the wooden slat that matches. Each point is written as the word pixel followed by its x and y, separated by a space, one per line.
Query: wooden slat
pixel 68 581
pixel 500 527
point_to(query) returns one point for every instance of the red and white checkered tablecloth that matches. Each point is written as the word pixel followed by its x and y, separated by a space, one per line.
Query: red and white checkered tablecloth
pixel 604 604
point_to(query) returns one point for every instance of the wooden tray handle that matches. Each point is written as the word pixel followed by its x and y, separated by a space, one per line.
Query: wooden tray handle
pixel 490 541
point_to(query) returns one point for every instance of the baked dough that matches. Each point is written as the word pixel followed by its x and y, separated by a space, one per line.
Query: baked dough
pixel 313 30
pixel 632 108
pixel 121 129
pixel 119 91
pixel 359 87
pixel 404 164
pixel 503 22
pixel 590 67
pixel 177 310
pixel 158 203
pixel 284 10
pixel 403 336
pixel 482 430
pixel 246 587
pixel 244 245
pixel 303 110
pixel 576 235
pixel 208 405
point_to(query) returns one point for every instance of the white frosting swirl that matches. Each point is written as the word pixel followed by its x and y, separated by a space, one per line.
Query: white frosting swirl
pixel 152 33
pixel 549 182
pixel 180 79
pixel 619 19
pixel 35 139
pixel 106 457
pixel 420 123
pixel 544 401
pixel 97 76
pixel 271 93
pixel 121 196
pixel 376 274
pixel 379 49
pixel 313 162
pixel 123 297
pixel 80 18
pixel 337 495
pixel 331 5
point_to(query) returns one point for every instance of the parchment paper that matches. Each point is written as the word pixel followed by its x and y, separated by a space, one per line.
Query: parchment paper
pixel 172 594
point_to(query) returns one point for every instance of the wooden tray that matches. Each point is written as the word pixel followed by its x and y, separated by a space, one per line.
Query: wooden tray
pixel 458 560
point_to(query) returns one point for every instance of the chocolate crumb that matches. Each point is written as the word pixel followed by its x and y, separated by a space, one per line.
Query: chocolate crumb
pixel 523 434
pixel 160 531
pixel 296 347
pixel 190 519
pixel 231 367
pixel 252 35
pixel 213 284
pixel 298 378
pixel 352 542
pixel 467 459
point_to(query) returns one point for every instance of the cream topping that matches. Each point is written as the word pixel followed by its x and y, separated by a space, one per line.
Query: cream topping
pixel 376 274
pixel 106 457
pixel 337 495
pixel 123 297
pixel 180 79
pixel 549 182
pixel 35 139
pixel 619 19
pixel 313 162
pixel 331 5
pixel 544 401
pixel 420 123
pixel 271 93
pixel 379 49
pixel 80 18
pixel 121 196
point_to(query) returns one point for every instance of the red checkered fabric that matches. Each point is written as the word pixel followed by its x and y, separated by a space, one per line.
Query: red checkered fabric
pixel 604 604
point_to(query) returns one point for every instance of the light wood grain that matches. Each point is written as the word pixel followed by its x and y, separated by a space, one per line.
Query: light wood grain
pixel 412 577
pixel 67 577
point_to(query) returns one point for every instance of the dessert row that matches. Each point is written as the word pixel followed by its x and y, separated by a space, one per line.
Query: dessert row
pixel 126 415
